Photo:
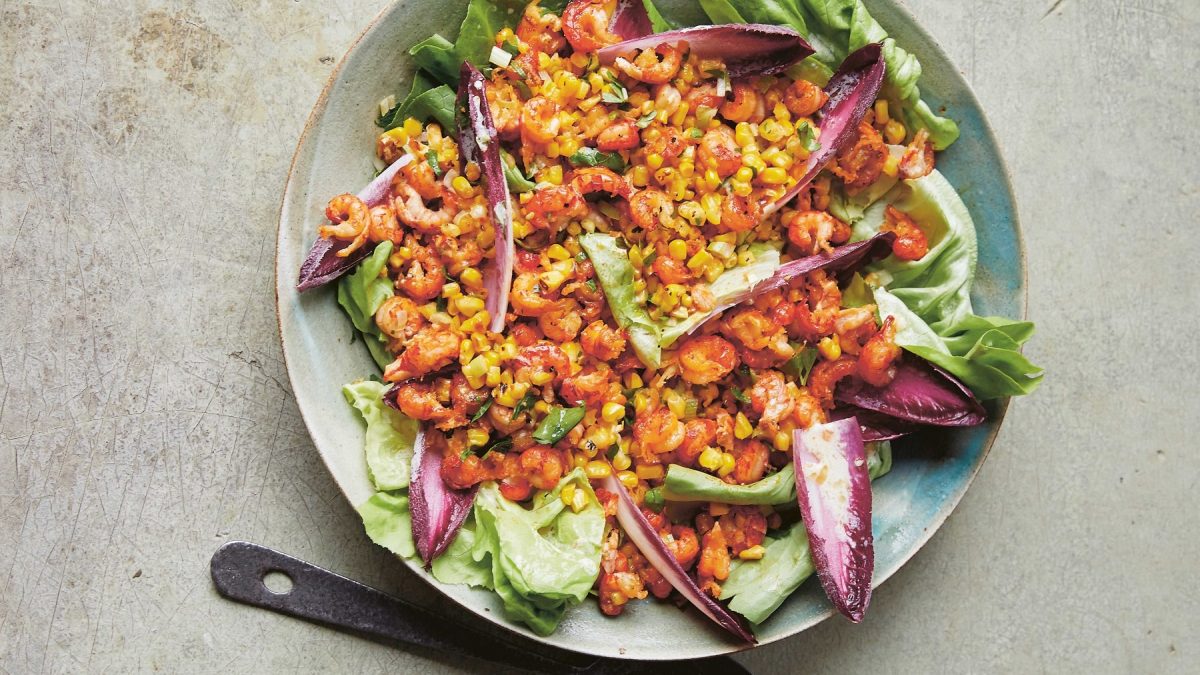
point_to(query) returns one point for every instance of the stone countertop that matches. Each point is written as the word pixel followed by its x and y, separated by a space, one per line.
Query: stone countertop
pixel 146 418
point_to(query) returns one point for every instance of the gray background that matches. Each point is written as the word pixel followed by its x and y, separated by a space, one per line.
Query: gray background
pixel 145 415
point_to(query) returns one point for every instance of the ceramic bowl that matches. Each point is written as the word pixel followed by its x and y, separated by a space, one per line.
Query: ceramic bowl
pixel 931 471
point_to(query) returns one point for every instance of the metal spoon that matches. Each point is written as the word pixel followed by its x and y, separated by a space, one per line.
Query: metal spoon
pixel 318 595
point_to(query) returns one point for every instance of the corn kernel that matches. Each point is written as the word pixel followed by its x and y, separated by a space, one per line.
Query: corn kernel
pixel 466 352
pixel 471 277
pixel 462 186
pixel 649 471
pixel 451 290
pixel 469 305
pixel 741 189
pixel 602 437
pixel 654 161
pixel 744 174
pixel 686 168
pixel 755 552
pixel 742 427
pixel 700 261
pixel 542 377
pixel 612 412
pixel 881 111
pixel 579 501
pixel 412 127
pixel 579 460
pixel 477 438
pixel 830 348
pixel 477 322
pixel 771 130
pixel 493 376
pixel 557 252
pixel 710 458
pixel 895 132
pixel 639 176
pixel 891 166
pixel 634 381
pixel 712 179
pixel 628 478
pixel 641 401
pixel 782 441
pixel 492 358
pixel 552 279
pixel 773 176
pixel 728 464
pixel 718 509
pixel 597 469
pixel 567 495
pixel 478 367
pixel 521 229
pixel 781 112
pixel 621 461
pixel 712 207
pixel 677 249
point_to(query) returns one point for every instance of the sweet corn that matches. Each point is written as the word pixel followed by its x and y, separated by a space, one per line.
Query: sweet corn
pixel 597 469
pixel 742 427
pixel 717 509
pixel 567 495
pixel 712 207
pixel 830 348
pixel 728 463
pixel 471 171
pixel 686 168
pixel 557 252
pixel 634 381
pixel 628 478
pixel 895 132
pixel 891 166
pixel 710 458
pixel 462 186
pixel 492 358
pixel 773 176
pixel 639 176
pixel 477 322
pixel 700 261
pixel 579 460
pixel 743 134
pixel 881 111
pixel 471 277
pixel 493 376
pixel 741 189
pixel 521 229
pixel 771 130
pixel 478 367
pixel 621 461
pixel 612 412
pixel 466 352
pixel 601 438
pixel 469 305
pixel 542 378
pixel 744 174
pixel 553 279
pixel 510 395
pixel 649 471
pixel 755 552
pixel 712 179
pixel 782 441
pixel 477 438
pixel 654 161
pixel 578 500
pixel 412 127
pixel 677 249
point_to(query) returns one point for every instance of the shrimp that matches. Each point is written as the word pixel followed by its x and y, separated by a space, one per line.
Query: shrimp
pixel 658 430
pixel 461 472
pixel 585 25
pixel 861 161
pixel 853 327
pixel 650 208
pixel 670 270
pixel 398 317
pixel 911 242
pixel 667 99
pixel 747 105
pixel 653 66
pixel 410 208
pixel 602 342
pixel 744 526
pixel 918 159
pixel 714 561
pixel 505 106
pixel 816 317
pixel 718 150
pixel 803 98
pixel 563 323
pixel 706 359
pixel 756 331
pixel 350 220
pixel 769 398
pixel 540 357
pixel 618 582
pixel 423 275
pixel 704 95
pixel 620 135
pixel 667 142
pixel 419 175
pixel 465 399
pixel 504 421
pixel 542 32
pixel 433 348
pixel 599 179
pixel 539 121
pixel 529 297
pixel 681 541
pixel 825 376
pixel 384 226
pixel 808 410
pixel 555 205
pixel 698 434
pixel 542 466
pixel 813 231
pixel 459 253
pixel 876 363
pixel 739 213
pixel 419 401
pixel 594 385
pixel 751 464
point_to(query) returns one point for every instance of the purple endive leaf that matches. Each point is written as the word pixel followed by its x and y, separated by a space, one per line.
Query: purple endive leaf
pixel 852 91
pixel 322 264
pixel 644 536
pixel 630 20
pixel 920 393
pixel 438 511
pixel 748 49
pixel 874 426
pixel 480 144
pixel 834 490
pixel 842 259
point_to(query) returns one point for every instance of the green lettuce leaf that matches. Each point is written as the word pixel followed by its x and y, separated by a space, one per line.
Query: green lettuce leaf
pixel 390 436
pixel 476 36
pixel 360 294
pixel 615 273
pixel 725 288
pixel 835 28
pixel 759 587
pixel 683 485
pixel 540 561
pixel 879 458
pixel 424 100
pixel 388 522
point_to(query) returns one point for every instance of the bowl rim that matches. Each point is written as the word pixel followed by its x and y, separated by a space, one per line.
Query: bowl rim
pixel 949 505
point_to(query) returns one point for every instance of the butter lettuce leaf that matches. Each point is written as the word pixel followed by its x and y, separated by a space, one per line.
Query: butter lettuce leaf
pixel 732 283
pixel 388 522
pixel 360 294
pixel 684 484
pixel 615 273
pixel 426 99
pixel 390 435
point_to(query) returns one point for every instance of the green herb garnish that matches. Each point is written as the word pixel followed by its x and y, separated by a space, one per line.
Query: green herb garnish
pixel 593 157
pixel 524 404
pixel 808 137
pixel 482 409
pixel 647 119
pixel 801 364
pixel 558 423
pixel 432 157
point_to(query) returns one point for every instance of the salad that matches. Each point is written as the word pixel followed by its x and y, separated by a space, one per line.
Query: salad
pixel 651 302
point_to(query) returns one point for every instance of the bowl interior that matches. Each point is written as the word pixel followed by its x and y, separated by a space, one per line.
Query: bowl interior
pixel 930 473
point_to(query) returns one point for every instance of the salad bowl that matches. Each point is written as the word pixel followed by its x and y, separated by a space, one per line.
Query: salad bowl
pixel 930 473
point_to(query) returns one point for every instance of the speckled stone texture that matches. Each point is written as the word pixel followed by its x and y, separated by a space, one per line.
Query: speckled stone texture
pixel 145 415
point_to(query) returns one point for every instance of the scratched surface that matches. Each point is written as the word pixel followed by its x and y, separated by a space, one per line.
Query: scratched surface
pixel 145 415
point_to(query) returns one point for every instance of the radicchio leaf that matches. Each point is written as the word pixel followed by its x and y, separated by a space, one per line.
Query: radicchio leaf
pixel 852 91
pixel 748 49
pixel 834 491
pixel 323 264
pixel 437 510
pixel 920 393
pixel 630 20
pixel 874 426
pixel 644 536
pixel 480 144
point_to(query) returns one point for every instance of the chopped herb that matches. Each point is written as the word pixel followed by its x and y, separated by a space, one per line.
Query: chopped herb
pixel 593 157
pixel 647 119
pixel 801 364
pixel 744 371
pixel 581 256
pixel 695 133
pixel 511 47
pixel 740 395
pixel 558 423
pixel 615 92
pixel 591 285
pixel 650 257
pixel 524 404
pixel 630 412
pixel 808 137
pixel 482 409
pixel 442 304
pixel 432 157
pixel 498 445
pixel 612 452
pixel 654 499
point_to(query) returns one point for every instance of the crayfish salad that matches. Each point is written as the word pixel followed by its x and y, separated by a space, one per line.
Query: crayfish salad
pixel 650 303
